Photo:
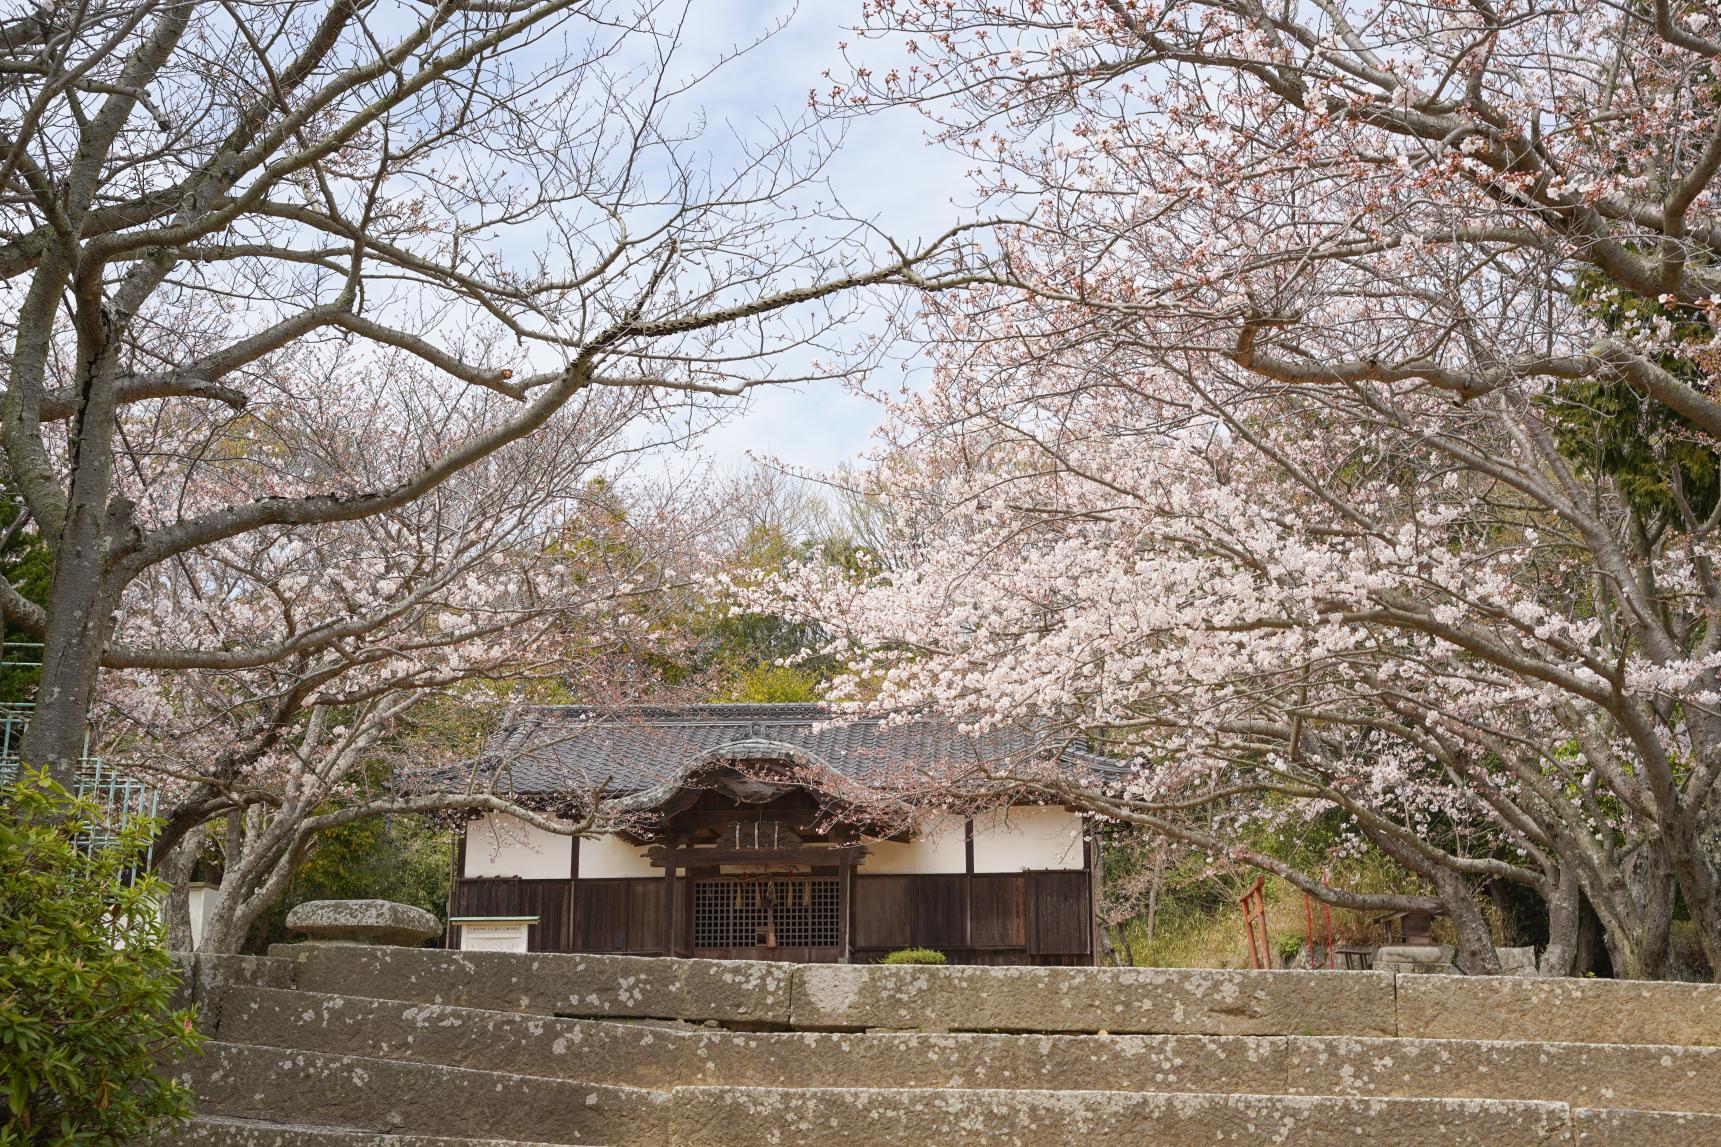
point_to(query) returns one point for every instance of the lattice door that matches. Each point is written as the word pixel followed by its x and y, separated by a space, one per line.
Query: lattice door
pixel 766 912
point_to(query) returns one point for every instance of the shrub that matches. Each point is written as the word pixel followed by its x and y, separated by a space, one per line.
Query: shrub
pixel 85 979
pixel 1686 960
pixel 915 956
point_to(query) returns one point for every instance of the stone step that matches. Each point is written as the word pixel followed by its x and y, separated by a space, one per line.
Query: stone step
pixel 383 1098
pixel 660 1056
pixel 210 1131
pixel 1147 1001
pixel 1561 1010
pixel 736 992
pixel 828 997
pixel 656 1055
pixel 745 1117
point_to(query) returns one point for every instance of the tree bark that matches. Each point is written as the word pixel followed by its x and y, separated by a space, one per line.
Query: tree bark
pixel 1565 918
pixel 81 599
pixel 176 870
pixel 1476 955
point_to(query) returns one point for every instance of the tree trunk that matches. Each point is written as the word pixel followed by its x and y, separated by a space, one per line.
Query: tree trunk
pixel 81 598
pixel 1126 953
pixel 176 869
pixel 1636 913
pixel 1565 919
pixel 1589 939
pixel 1153 889
pixel 1476 955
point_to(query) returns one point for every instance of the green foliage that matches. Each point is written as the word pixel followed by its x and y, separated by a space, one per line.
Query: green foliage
pixel 85 979
pixel 928 956
pixel 772 685
pixel 401 858
pixel 1197 922
pixel 740 653
pixel 28 567
pixel 1650 452
pixel 1686 958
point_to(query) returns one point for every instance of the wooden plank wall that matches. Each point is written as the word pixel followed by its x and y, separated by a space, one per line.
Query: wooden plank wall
pixel 1039 917
pixel 1039 914
pixel 551 901
pixel 1058 920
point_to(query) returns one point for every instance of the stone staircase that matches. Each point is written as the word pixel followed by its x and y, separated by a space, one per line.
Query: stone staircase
pixel 341 1046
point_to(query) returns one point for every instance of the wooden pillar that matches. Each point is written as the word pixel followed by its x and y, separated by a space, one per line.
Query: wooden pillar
pixel 845 909
pixel 1095 858
pixel 671 939
pixel 456 872
pixel 968 884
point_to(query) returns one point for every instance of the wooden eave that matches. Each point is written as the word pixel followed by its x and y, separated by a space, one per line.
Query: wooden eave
pixel 663 856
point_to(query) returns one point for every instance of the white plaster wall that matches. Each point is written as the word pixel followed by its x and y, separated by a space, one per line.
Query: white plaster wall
pixel 609 857
pixel 1027 836
pixel 201 901
pixel 941 849
pixel 499 845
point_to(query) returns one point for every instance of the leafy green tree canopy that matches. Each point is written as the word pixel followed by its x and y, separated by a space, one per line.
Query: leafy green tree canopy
pixel 86 983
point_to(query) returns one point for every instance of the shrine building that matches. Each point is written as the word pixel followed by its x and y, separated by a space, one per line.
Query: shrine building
pixel 772 832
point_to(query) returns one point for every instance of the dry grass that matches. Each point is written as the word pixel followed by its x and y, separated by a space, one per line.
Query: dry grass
pixel 1186 938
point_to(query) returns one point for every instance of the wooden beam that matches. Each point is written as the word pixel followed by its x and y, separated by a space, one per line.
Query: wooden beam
pixel 800 819
pixel 664 856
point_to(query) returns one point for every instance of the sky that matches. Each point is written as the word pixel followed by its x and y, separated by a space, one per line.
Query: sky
pixel 884 171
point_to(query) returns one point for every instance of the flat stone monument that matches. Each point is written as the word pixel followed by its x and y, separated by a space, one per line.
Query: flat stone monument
pixel 1517 961
pixel 1428 959
pixel 363 922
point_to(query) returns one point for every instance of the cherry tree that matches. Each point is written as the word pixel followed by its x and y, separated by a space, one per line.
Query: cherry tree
pixel 199 201
pixel 1351 441
pixel 535 565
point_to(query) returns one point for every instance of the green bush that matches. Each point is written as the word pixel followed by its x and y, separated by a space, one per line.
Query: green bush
pixel 404 859
pixel 85 979
pixel 915 956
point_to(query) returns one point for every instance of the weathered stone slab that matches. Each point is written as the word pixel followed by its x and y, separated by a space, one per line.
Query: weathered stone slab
pixel 864 1117
pixel 1622 1128
pixel 363 922
pixel 1415 959
pixel 185 985
pixel 728 991
pixel 1559 1010
pixel 1168 1063
pixel 383 1096
pixel 1517 961
pixel 219 971
pixel 1116 1000
pixel 246 1133
pixel 644 1055
pixel 1583 1075
pixel 627 1054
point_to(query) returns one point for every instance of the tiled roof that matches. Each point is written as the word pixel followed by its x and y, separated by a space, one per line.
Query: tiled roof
pixel 645 750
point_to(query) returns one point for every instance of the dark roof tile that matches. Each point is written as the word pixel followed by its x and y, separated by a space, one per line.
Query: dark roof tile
pixel 642 750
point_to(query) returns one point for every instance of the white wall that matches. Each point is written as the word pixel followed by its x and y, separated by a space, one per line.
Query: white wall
pixel 1005 840
pixel 1027 836
pixel 201 901
pixel 607 857
pixel 941 849
pixel 499 845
